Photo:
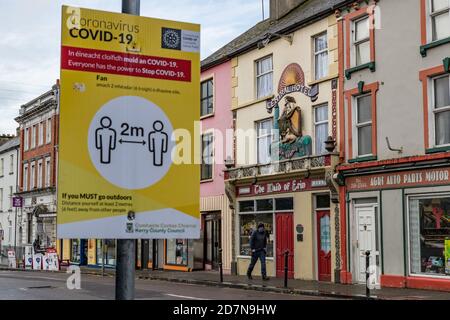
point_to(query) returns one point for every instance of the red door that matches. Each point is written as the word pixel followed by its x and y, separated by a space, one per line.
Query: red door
pixel 324 245
pixel 284 241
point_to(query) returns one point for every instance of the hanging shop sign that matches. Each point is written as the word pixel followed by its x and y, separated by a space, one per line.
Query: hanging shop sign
pixel 399 179
pixel 129 85
pixel 293 80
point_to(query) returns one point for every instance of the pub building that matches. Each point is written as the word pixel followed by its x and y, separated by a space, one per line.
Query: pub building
pixel 284 88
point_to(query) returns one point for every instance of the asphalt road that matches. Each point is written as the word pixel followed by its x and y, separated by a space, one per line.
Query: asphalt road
pixel 17 285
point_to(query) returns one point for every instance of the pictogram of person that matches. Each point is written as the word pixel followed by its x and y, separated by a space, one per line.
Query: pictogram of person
pixel 158 143
pixel 105 140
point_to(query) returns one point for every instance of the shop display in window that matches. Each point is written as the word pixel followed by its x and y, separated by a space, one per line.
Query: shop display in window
pixel 429 231
pixel 249 223
pixel 177 252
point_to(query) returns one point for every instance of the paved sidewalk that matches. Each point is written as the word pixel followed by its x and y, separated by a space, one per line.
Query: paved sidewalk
pixel 303 287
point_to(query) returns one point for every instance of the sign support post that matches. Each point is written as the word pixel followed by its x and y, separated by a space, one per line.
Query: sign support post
pixel 126 253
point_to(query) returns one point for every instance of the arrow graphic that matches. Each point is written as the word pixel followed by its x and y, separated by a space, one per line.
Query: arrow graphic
pixel 121 141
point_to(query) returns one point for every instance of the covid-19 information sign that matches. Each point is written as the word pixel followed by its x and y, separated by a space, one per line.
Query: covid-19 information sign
pixel 129 103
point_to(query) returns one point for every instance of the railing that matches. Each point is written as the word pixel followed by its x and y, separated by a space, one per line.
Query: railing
pixel 285 166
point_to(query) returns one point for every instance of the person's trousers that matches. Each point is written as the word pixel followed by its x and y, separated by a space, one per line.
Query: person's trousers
pixel 261 255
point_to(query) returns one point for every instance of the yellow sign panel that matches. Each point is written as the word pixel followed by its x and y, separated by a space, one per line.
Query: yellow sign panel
pixel 129 90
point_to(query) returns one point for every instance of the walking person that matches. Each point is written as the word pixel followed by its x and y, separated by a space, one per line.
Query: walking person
pixel 258 244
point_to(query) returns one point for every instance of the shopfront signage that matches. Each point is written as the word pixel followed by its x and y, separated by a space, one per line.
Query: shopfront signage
pixel 293 185
pixel 129 89
pixel 399 179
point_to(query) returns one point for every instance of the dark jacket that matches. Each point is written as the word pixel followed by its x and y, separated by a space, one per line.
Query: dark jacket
pixel 258 240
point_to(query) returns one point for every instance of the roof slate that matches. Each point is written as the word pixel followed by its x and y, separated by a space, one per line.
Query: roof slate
pixel 300 15
pixel 10 144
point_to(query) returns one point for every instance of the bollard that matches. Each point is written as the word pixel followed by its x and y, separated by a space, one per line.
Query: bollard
pixel 367 273
pixel 286 257
pixel 220 265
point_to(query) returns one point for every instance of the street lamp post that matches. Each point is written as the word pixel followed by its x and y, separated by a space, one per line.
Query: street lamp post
pixel 126 253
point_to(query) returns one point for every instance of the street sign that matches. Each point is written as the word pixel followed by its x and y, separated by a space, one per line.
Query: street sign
pixel 17 202
pixel 129 87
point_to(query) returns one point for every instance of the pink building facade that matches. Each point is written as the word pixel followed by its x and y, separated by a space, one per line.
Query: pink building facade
pixel 216 121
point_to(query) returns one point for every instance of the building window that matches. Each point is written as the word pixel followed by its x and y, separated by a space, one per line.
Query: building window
pixel 33 137
pixel 429 235
pixel 48 131
pixel 264 77
pixel 363 125
pixel 440 108
pixel 320 56
pixel 2 167
pixel 47 172
pixel 177 252
pixel 32 176
pixel 361 41
pixel 39 177
pixel 41 133
pixel 25 177
pixel 439 19
pixel 264 137
pixel 1 199
pixel 11 164
pixel 207 156
pixel 26 139
pixel 320 128
pixel 11 192
pixel 206 98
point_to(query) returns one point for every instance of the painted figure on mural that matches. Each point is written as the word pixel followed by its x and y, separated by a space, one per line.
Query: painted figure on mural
pixel 290 121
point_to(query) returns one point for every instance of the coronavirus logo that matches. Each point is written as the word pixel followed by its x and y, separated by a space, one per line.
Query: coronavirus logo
pixel 171 39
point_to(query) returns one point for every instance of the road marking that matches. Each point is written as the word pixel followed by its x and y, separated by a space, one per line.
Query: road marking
pixel 184 297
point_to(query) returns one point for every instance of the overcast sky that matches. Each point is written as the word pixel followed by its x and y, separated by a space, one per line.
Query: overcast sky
pixel 30 39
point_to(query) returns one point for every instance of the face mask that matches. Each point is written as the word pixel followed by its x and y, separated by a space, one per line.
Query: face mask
pixel 261 229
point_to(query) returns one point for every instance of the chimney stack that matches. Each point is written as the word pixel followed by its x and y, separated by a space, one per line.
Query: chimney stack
pixel 5 138
pixel 279 8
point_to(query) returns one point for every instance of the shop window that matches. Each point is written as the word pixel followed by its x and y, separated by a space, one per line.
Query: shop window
pixel 246 206
pixel 429 236
pixel 284 204
pixel 75 251
pixel 320 128
pixel 264 140
pixel 320 56
pixel 207 156
pixel 440 108
pixel 264 77
pixel 99 251
pixel 264 205
pixel 323 201
pixel 248 223
pixel 177 252
pixel 206 98
pixel 439 19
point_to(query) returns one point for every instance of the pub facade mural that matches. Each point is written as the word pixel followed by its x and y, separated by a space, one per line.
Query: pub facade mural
pixel 289 141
